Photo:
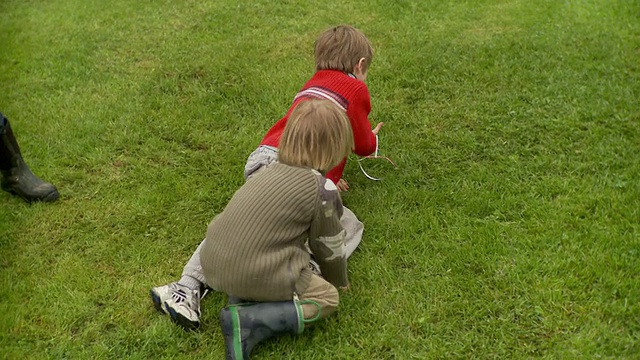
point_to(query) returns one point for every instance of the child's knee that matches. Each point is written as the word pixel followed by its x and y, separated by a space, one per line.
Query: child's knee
pixel 324 295
pixel 332 299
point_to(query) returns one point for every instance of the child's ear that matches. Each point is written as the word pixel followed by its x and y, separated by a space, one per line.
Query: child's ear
pixel 361 63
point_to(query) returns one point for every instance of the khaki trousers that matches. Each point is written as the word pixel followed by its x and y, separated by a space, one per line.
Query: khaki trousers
pixel 323 293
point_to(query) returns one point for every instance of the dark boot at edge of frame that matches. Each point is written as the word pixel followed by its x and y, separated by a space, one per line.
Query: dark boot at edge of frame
pixel 17 178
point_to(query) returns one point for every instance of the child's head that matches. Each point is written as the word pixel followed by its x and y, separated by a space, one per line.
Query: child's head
pixel 317 135
pixel 343 48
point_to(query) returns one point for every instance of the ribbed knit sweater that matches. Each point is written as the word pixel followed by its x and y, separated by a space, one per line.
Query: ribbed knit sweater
pixel 351 95
pixel 255 249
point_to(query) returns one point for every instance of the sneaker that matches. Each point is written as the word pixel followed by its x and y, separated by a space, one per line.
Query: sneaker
pixel 315 268
pixel 179 302
pixel 159 295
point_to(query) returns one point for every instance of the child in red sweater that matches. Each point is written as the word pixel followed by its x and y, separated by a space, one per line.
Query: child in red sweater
pixel 343 55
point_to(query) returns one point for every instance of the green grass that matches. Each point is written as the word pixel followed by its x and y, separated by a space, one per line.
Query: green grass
pixel 511 228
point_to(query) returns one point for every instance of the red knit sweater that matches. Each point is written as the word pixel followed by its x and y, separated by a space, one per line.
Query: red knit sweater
pixel 349 94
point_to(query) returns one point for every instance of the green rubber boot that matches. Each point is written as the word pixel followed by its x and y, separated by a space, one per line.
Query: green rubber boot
pixel 245 325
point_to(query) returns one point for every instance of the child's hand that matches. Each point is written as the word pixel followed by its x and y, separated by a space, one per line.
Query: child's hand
pixel 345 288
pixel 377 128
pixel 342 185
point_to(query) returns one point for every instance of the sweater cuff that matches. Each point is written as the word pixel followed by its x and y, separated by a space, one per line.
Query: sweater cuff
pixel 335 271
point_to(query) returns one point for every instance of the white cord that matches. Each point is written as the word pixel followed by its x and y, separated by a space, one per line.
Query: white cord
pixel 375 154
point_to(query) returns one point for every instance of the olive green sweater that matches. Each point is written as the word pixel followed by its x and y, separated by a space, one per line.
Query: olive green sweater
pixel 255 249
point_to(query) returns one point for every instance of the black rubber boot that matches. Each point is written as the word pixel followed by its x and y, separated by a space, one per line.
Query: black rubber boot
pixel 244 325
pixel 17 178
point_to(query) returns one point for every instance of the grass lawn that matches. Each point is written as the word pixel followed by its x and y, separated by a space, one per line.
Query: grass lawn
pixel 511 228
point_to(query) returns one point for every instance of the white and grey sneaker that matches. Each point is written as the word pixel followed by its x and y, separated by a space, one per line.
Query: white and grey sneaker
pixel 179 302
pixel 159 295
pixel 315 268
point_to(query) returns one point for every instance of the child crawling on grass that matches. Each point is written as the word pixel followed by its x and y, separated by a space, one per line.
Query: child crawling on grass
pixel 343 55
pixel 255 250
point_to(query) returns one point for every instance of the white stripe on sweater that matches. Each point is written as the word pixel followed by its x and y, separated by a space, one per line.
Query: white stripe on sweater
pixel 316 93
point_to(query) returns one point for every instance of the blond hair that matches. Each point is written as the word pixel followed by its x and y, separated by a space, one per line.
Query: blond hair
pixel 318 135
pixel 341 47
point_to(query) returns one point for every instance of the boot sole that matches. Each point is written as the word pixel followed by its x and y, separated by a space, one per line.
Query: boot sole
pixel 50 197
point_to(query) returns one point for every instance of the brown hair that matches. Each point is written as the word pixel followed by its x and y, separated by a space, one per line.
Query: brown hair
pixel 318 135
pixel 341 47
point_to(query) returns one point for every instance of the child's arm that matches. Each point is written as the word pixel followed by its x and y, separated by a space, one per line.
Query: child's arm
pixel 364 138
pixel 335 174
pixel 358 112
pixel 326 235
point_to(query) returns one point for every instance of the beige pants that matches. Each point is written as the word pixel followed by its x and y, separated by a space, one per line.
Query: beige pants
pixel 322 292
